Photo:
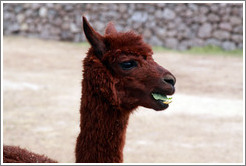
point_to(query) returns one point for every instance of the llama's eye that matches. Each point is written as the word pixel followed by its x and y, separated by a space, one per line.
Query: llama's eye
pixel 128 65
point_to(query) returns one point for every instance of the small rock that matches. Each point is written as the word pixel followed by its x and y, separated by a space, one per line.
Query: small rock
pixel 42 12
pixel 29 13
pixel 225 26
pixel 182 47
pixel 225 18
pixel 197 42
pixel 240 46
pixel 205 30
pixel 213 17
pixel 193 6
pixel 201 18
pixel 99 26
pixel 161 33
pixel 171 25
pixel 155 41
pixel 203 10
pixel 15 28
pixel 77 38
pixel 66 35
pixel 187 34
pixel 235 11
pixel 188 13
pixel 68 7
pixel 58 21
pixel 179 8
pixel 237 38
pixel 74 28
pixel 18 8
pixel 20 18
pixel 158 14
pixel 24 27
pixel 161 5
pixel 235 20
pixel 213 42
pixel 50 5
pixel 194 27
pixel 228 45
pixel 147 33
pixel 35 6
pixel 65 26
pixel 139 16
pixel 168 14
pixel 171 33
pixel 45 34
pixel 171 43
pixel 214 8
pixel 221 35
pixel 55 31
pixel 31 28
pixel 123 8
pixel 52 12
pixel 238 29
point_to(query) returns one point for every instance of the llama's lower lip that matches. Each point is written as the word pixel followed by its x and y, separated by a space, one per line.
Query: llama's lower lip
pixel 164 106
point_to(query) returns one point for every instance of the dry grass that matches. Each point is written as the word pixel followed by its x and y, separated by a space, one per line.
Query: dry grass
pixel 41 97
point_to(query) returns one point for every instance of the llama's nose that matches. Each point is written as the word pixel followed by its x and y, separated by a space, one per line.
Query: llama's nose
pixel 169 79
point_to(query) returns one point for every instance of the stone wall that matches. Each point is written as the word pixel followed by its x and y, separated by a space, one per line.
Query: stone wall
pixel 176 26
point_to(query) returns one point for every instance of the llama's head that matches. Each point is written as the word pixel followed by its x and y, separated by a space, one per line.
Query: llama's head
pixel 123 63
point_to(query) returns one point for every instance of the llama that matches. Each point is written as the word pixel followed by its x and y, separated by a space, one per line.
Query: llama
pixel 15 154
pixel 119 75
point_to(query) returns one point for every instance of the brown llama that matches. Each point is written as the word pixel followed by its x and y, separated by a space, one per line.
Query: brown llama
pixel 15 154
pixel 119 75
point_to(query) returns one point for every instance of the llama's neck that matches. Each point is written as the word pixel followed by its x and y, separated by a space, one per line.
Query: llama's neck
pixel 102 131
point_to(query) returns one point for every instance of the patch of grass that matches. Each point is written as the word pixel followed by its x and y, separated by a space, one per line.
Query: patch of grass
pixel 214 50
pixel 83 44
pixel 206 50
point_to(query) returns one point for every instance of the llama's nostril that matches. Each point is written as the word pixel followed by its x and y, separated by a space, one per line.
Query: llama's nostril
pixel 169 79
pixel 170 82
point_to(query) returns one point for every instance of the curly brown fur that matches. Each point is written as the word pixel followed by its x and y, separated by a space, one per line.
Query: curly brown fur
pixel 15 154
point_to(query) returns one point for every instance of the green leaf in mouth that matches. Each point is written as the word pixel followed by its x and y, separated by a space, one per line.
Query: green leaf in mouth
pixel 163 98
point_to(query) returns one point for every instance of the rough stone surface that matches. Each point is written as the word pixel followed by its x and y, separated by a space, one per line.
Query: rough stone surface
pixel 177 26
pixel 171 43
pixel 205 30
pixel 221 34
pixel 235 20
pixel 237 38
pixel 228 45
pixel 168 14
pixel 214 42
pixel 225 26
pixel 42 12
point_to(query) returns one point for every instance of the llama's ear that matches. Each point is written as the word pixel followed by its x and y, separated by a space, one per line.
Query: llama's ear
pixel 110 29
pixel 94 38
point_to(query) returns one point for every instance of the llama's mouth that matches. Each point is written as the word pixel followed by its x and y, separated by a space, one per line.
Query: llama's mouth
pixel 162 100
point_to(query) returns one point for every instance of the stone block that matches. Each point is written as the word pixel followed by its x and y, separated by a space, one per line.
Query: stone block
pixel 221 34
pixel 205 30
pixel 228 45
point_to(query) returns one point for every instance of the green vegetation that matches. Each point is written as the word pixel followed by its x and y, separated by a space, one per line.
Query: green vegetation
pixel 83 44
pixel 214 50
pixel 206 50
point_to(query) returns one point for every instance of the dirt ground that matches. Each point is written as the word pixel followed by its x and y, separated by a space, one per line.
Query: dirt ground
pixel 41 97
